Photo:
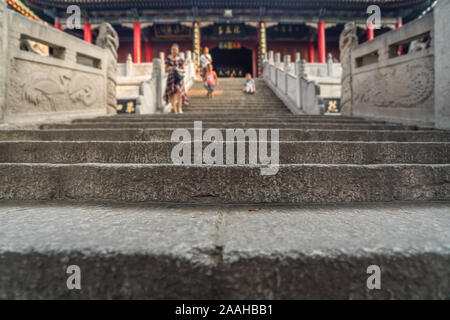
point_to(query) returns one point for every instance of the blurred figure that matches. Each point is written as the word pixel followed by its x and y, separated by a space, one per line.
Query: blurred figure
pixel 249 84
pixel 205 60
pixel 211 80
pixel 175 84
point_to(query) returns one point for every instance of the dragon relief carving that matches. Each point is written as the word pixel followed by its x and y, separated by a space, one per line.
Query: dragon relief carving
pixel 390 87
pixel 108 39
pixel 347 41
pixel 43 89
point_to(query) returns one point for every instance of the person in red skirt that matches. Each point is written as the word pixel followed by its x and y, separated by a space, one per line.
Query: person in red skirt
pixel 175 80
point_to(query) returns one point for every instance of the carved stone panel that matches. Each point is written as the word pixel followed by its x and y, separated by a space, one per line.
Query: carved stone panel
pixel 34 87
pixel 402 91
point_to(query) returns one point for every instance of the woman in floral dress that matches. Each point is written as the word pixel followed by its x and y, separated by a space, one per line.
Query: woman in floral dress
pixel 175 82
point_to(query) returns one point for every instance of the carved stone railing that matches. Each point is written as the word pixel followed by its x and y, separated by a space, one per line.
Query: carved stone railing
pixel 130 75
pixel 298 93
pixel 393 76
pixel 303 86
pixel 46 74
pixel 151 91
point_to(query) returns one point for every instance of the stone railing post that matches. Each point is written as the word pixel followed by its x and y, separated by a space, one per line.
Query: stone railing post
pixel 182 55
pixel 109 39
pixel 162 57
pixel 270 57
pixel 157 79
pixel 287 63
pixel 442 65
pixel 129 66
pixel 277 59
pixel 3 56
pixel 330 65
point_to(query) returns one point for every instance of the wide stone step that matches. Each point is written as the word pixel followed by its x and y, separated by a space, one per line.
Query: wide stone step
pixel 229 118
pixel 165 135
pixel 227 124
pixel 301 184
pixel 236 104
pixel 289 152
pixel 224 252
pixel 233 116
pixel 240 111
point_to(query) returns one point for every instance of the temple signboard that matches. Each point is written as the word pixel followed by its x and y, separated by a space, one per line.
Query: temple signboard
pixel 171 31
pixel 229 30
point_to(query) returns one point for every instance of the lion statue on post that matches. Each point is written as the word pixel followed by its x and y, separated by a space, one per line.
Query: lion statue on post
pixel 347 41
pixel 108 39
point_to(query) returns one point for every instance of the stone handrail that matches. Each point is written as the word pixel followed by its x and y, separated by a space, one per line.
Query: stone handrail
pixel 46 74
pixel 151 91
pixel 397 76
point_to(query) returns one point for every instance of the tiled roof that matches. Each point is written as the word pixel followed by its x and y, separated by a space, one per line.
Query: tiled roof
pixel 392 4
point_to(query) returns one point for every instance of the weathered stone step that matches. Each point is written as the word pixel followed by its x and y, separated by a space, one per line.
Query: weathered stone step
pixel 229 118
pixel 224 252
pixel 165 135
pixel 245 110
pixel 300 184
pixel 289 152
pixel 236 104
pixel 226 124
pixel 233 116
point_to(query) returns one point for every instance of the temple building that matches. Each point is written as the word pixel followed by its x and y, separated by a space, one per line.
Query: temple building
pixel 237 32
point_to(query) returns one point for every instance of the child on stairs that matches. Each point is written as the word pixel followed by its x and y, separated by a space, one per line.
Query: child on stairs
pixel 211 81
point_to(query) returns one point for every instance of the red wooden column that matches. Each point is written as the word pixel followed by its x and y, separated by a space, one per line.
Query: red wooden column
pixel 58 24
pixel 137 43
pixel 399 24
pixel 311 51
pixel 254 64
pixel 321 41
pixel 370 33
pixel 87 32
pixel 148 51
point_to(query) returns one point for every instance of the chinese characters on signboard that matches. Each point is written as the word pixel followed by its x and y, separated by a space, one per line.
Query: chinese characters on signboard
pixel 262 46
pixel 229 30
pixel 172 31
pixel 196 43
pixel 332 105
pixel 126 106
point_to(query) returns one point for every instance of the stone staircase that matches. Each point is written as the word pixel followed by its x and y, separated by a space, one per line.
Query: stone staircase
pixel 104 194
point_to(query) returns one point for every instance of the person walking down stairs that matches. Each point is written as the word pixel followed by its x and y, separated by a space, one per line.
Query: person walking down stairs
pixel 211 81
pixel 175 80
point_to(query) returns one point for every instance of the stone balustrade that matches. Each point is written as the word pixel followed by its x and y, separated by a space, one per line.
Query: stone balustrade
pixel 46 74
pixel 402 75
pixel 303 86
pixel 151 91
pixel 129 78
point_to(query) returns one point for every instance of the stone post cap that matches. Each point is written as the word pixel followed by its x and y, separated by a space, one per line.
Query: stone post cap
pixel 298 56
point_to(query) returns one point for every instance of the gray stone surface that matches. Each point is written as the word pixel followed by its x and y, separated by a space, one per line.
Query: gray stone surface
pixel 442 64
pixel 229 124
pixel 224 252
pixel 165 135
pixel 3 57
pixel 289 152
pixel 225 184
